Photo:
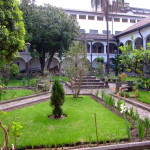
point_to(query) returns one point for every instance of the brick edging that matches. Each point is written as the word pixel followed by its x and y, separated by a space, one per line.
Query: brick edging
pixel 133 103
pixel 126 146
pixel 25 97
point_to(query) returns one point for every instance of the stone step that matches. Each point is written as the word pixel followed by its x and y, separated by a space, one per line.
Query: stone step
pixel 92 83
pixel 90 80
pixel 89 86
pixel 89 77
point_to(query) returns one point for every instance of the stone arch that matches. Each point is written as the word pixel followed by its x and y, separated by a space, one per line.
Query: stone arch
pixel 147 39
pixel 34 63
pixel 112 48
pixel 94 63
pixel 129 42
pixel 55 63
pixel 21 63
pixel 138 43
pixel 97 48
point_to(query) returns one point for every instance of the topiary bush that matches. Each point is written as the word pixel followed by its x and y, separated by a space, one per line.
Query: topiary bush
pixel 57 99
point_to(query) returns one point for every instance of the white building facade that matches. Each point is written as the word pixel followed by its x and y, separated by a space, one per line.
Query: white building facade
pixel 122 26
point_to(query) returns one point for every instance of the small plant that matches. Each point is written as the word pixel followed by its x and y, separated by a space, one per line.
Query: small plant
pixel 123 77
pixel 57 99
pixel 111 101
pixel 103 94
pixel 14 69
pixel 146 124
pixel 123 111
pixel 33 82
pixel 13 94
pixel 136 93
pixel 119 105
pixel 132 112
pixel 96 94
pixel 141 130
pixel 136 116
pixel 16 127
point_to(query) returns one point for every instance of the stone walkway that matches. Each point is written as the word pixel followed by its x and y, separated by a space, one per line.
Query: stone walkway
pixel 143 113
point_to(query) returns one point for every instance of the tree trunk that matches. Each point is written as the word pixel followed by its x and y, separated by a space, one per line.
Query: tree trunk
pixel 50 59
pixel 42 62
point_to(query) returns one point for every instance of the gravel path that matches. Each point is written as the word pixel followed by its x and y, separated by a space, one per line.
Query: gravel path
pixel 143 113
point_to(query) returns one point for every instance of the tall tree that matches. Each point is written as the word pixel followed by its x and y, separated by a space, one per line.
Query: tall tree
pixel 12 29
pixel 107 6
pixel 76 66
pixel 50 30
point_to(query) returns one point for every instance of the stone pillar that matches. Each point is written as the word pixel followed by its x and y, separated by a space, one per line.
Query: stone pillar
pixel 144 43
pixel 105 48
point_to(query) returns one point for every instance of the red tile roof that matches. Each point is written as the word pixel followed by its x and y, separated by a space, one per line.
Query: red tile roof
pixel 136 26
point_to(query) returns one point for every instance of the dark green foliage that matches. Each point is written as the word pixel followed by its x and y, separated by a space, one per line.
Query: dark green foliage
pixel 12 29
pixel 116 66
pixel 100 59
pixel 5 73
pixel 14 69
pixel 50 30
pixel 57 98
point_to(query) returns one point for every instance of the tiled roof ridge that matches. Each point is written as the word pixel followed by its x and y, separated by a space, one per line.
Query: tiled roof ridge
pixel 137 25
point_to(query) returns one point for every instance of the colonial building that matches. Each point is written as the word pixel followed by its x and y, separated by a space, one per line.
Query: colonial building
pixel 127 22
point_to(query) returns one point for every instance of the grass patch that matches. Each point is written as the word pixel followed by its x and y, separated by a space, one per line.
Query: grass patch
pixel 14 82
pixel 60 78
pixel 11 94
pixel 144 96
pixel 78 126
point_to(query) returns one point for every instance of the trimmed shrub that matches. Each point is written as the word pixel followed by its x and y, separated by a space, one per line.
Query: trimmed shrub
pixel 57 99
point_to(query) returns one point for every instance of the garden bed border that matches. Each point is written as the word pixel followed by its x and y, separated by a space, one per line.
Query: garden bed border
pixel 132 102
pixel 126 146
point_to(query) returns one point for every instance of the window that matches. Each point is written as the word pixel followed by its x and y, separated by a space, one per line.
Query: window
pixel 105 32
pixel 74 16
pixel 116 19
pixel 99 18
pixel 124 20
pixel 82 16
pixel 94 31
pixel 109 19
pixel 132 20
pixel 91 18
pixel 82 30
pixel 117 32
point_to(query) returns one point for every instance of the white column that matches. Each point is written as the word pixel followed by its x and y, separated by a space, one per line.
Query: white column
pixel 144 43
pixel 105 48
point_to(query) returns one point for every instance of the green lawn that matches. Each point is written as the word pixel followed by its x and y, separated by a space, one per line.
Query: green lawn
pixel 14 82
pixel 144 96
pixel 78 126
pixel 61 78
pixel 11 94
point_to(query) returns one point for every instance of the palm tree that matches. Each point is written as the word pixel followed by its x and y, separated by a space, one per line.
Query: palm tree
pixel 104 5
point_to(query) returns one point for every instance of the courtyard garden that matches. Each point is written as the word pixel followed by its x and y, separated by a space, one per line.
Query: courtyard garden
pixel 77 126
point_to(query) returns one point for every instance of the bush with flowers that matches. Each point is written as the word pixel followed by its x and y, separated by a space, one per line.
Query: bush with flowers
pixel 123 77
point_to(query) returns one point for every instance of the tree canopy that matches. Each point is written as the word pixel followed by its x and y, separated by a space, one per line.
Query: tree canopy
pixel 50 30
pixel 12 29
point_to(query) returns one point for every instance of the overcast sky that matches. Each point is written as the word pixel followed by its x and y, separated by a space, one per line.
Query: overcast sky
pixel 86 4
